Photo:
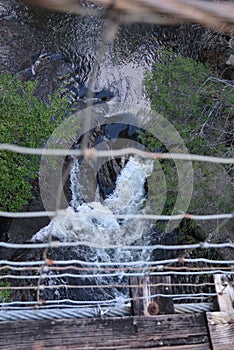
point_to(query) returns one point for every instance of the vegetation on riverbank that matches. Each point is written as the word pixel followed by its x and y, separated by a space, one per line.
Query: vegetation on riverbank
pixel 201 107
pixel 188 94
pixel 25 121
pixel 5 294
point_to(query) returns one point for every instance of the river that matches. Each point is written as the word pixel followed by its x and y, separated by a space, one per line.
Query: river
pixel 95 64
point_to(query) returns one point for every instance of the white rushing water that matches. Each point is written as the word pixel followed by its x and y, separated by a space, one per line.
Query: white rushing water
pixel 127 198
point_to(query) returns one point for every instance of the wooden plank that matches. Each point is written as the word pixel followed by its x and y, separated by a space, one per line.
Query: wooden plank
pixel 221 327
pixel 182 347
pixel 170 331
pixel 143 303
pixel 225 291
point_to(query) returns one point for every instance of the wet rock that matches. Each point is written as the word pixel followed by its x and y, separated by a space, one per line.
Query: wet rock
pixel 4 225
pixel 107 176
pixel 25 74
pixel 230 60
pixel 50 70
pixel 24 51
pixel 231 43
pixel 19 43
pixel 21 230
pixel 81 294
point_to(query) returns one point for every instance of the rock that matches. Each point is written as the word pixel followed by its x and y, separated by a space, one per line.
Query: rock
pixel 230 61
pixel 231 43
pixel 22 230
pixel 19 43
pixel 50 70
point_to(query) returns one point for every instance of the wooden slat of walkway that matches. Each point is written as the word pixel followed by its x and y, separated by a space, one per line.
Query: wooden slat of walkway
pixel 221 327
pixel 165 332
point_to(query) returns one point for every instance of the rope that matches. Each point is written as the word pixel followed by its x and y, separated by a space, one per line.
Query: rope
pixel 103 303
pixel 58 244
pixel 167 12
pixel 194 307
pixel 98 265
pixel 54 314
pixel 93 153
pixel 107 275
pixel 90 312
pixel 95 214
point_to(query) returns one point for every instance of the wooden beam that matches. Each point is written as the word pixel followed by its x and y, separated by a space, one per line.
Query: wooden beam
pixel 144 303
pixel 225 290
pixel 217 16
pixel 173 332
pixel 221 327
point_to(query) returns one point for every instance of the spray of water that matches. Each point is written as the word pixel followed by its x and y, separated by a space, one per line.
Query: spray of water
pixel 129 197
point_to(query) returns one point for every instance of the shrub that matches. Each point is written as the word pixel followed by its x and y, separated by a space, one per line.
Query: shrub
pixel 182 87
pixel 25 121
pixel 194 101
pixel 200 106
pixel 5 294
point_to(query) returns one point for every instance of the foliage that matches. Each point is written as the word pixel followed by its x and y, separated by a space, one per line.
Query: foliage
pixel 187 94
pixel 174 85
pixel 25 121
pixel 181 87
pixel 196 103
pixel 5 294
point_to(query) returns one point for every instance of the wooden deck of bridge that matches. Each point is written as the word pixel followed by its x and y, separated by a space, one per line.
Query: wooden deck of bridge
pixel 165 331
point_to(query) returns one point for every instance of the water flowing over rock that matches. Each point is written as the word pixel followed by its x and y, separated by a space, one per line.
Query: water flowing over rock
pixel 97 235
pixel 104 230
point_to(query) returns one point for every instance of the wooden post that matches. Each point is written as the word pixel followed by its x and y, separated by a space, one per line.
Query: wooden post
pixel 225 290
pixel 143 291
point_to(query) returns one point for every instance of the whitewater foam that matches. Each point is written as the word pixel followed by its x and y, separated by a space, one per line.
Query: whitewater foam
pixel 127 198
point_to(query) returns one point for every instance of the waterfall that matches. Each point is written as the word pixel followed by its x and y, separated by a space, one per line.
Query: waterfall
pixel 129 197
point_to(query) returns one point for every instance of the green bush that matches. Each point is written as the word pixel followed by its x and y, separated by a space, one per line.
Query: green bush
pixel 201 107
pixel 182 87
pixel 5 294
pixel 25 121
pixel 186 93
pixel 175 85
